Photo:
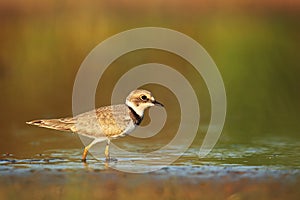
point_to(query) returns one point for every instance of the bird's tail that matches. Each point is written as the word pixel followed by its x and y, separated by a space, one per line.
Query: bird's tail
pixel 64 124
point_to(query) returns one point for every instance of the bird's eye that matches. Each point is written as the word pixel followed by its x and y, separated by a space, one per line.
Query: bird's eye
pixel 144 97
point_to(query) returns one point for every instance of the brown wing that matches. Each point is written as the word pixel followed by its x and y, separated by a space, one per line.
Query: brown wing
pixel 108 121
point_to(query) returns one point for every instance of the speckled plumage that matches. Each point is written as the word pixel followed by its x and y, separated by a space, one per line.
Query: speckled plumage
pixel 110 121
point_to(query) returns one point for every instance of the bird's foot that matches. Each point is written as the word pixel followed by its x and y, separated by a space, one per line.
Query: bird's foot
pixel 110 159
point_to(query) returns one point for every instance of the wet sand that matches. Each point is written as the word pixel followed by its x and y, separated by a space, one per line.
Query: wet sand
pixel 162 185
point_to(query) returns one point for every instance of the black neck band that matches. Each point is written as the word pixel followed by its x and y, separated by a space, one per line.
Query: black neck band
pixel 138 119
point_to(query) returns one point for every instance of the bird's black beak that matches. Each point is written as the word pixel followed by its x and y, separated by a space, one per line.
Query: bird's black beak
pixel 158 103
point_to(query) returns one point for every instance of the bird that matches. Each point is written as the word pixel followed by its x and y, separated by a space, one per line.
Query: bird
pixel 105 123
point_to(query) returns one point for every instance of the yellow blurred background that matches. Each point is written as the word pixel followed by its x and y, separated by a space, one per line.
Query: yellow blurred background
pixel 255 44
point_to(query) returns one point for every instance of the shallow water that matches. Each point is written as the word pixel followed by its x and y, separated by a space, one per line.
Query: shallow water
pixel 264 154
pixel 266 169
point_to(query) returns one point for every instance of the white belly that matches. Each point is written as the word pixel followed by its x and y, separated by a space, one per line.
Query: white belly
pixel 131 126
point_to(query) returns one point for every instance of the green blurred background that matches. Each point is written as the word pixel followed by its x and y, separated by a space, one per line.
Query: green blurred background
pixel 255 45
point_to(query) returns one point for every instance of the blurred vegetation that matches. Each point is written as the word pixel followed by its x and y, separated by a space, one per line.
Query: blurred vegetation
pixel 255 45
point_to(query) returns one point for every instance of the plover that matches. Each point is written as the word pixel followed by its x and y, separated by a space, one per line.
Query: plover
pixel 105 123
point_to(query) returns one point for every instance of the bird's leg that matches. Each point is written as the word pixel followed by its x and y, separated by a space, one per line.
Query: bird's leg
pixel 107 156
pixel 86 149
pixel 107 150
